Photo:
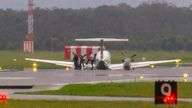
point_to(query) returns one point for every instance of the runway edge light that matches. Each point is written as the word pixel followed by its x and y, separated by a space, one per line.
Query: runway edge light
pixel 66 68
pixel 185 76
pixel 34 67
pixel 166 92
pixel 141 77
pixel 152 66
pixel 178 63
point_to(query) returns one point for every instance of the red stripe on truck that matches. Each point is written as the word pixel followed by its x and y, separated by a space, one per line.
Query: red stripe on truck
pixel 89 51
pixel 78 50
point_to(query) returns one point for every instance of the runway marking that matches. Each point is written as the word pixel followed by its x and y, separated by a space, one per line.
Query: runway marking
pixel 139 74
pixel 16 78
pixel 116 75
pixel 121 75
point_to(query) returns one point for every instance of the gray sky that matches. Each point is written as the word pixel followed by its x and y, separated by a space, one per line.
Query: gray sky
pixel 22 4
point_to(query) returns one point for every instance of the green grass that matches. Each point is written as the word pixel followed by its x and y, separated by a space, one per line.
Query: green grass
pixel 87 104
pixel 131 89
pixel 7 57
pixel 154 55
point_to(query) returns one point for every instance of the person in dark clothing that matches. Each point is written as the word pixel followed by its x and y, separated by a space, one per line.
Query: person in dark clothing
pixel 79 62
pixel 83 61
pixel 75 60
pixel 92 59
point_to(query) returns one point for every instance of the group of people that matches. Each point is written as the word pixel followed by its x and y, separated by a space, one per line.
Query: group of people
pixel 79 61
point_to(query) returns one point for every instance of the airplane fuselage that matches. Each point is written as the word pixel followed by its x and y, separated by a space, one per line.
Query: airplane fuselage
pixel 103 62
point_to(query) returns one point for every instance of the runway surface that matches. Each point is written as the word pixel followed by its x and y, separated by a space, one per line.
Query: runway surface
pixel 88 98
pixel 60 77
pixel 55 78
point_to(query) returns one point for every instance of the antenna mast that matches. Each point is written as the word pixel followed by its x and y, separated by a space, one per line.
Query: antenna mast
pixel 29 42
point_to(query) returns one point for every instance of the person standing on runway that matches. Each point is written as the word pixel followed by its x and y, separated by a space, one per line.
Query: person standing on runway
pixel 75 60
pixel 92 59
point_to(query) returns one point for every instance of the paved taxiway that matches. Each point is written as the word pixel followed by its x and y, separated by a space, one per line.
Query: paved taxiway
pixel 55 78
pixel 88 98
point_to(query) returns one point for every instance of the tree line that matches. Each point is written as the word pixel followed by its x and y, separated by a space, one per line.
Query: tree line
pixel 150 26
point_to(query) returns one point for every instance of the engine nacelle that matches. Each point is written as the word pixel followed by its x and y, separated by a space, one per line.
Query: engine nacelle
pixel 126 67
pixel 127 64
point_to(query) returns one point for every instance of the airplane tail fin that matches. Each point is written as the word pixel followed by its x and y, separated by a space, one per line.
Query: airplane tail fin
pixel 101 40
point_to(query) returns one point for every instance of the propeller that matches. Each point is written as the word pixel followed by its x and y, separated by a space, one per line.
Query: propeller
pixel 126 57
pixel 134 55
pixel 127 61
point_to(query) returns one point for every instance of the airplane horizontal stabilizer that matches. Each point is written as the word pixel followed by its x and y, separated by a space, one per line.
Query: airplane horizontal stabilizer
pixel 101 39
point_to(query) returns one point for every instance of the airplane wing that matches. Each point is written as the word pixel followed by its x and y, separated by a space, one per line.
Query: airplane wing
pixel 142 64
pixel 60 63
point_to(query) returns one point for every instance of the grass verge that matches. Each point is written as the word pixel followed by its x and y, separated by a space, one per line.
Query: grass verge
pixel 131 89
pixel 16 59
pixel 87 104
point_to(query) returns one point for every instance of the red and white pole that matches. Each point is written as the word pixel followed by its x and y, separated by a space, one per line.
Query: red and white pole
pixel 29 42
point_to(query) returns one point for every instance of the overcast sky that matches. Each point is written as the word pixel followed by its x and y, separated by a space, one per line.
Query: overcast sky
pixel 22 4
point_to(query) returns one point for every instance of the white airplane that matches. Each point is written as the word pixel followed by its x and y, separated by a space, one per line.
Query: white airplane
pixel 103 58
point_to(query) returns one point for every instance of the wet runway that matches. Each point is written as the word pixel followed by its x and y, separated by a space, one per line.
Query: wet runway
pixel 61 77
pixel 47 79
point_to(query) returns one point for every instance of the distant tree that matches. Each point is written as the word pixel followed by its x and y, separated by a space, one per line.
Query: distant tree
pixel 150 26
